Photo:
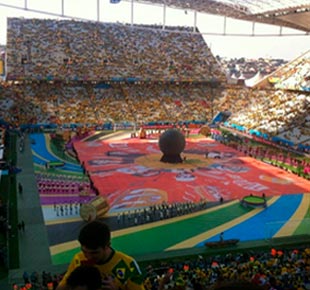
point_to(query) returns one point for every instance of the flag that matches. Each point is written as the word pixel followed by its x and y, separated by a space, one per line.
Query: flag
pixel 115 1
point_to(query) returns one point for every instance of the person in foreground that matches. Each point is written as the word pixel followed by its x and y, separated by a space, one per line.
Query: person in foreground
pixel 118 270
pixel 84 278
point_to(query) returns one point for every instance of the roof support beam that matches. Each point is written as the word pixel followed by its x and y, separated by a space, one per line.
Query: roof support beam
pixel 224 25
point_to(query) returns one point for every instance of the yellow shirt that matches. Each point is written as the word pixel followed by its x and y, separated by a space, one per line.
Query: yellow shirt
pixel 123 268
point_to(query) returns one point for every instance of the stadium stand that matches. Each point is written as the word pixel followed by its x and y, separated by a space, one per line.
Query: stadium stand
pixel 114 73
pixel 105 52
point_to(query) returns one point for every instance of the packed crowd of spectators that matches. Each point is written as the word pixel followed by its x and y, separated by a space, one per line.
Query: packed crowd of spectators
pixel 299 133
pixel 277 269
pixel 140 86
pixel 44 103
pixel 248 68
pixel 270 113
pixel 295 75
pixel 87 51
pixel 150 59
pixel 280 114
pixel 36 280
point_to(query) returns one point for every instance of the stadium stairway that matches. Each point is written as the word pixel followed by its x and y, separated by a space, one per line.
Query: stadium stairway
pixel 34 252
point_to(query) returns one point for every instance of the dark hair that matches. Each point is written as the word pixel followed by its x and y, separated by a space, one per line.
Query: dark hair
pixel 95 234
pixel 88 276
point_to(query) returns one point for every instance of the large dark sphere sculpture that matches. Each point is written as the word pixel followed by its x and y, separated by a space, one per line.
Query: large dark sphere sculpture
pixel 172 144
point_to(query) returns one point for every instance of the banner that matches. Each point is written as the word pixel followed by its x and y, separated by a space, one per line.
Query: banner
pixel 1 67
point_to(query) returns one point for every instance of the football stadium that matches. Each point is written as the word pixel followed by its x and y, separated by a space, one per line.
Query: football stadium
pixel 199 174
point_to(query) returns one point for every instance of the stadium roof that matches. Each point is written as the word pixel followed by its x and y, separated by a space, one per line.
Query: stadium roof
pixel 288 13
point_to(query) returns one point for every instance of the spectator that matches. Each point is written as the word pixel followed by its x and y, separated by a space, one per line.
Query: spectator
pixel 20 188
pixel 118 270
pixel 84 277
pixel 22 226
pixel 222 237
pixel 26 277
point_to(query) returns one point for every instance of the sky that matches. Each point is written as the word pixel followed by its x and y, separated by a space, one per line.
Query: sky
pixel 212 27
